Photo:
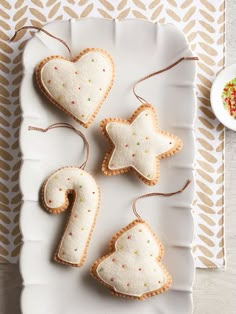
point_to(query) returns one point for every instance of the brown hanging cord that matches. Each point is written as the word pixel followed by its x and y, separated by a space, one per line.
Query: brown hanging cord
pixel 141 99
pixel 44 31
pixel 156 194
pixel 68 126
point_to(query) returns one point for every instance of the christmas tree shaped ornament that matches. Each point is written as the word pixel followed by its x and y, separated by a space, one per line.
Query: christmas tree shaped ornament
pixel 137 144
pixel 133 268
pixel 83 205
pixel 78 86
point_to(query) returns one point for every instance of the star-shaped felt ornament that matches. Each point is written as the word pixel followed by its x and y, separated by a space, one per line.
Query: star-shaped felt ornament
pixel 138 145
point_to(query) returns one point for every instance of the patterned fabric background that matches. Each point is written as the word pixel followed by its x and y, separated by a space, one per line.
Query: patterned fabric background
pixel 203 23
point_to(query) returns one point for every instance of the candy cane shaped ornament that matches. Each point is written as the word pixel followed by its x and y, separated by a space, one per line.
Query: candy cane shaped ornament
pixel 56 189
pixel 72 180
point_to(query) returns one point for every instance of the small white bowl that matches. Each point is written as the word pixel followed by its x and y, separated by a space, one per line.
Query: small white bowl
pixel 221 113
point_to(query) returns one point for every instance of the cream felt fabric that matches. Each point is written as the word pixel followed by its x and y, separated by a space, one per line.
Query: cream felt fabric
pixel 74 242
pixel 138 144
pixel 133 268
pixel 79 87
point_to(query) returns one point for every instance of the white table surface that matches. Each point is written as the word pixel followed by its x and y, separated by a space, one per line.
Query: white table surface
pixel 214 290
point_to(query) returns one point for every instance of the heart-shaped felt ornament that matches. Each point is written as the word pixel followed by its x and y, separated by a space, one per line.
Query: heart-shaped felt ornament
pixel 78 87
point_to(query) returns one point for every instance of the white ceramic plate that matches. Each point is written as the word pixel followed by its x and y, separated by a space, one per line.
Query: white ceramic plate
pixel 138 48
pixel 216 100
